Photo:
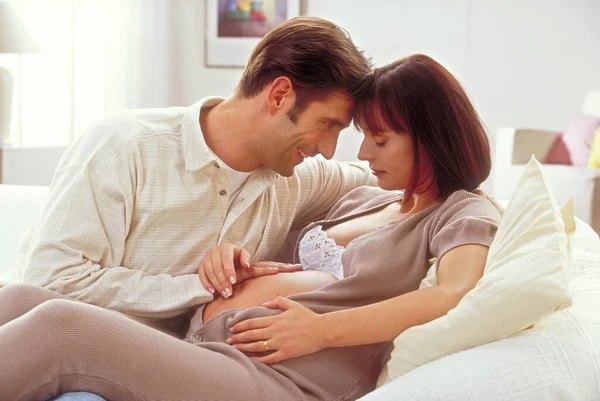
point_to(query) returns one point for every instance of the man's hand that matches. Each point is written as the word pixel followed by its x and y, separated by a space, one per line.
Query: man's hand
pixel 227 264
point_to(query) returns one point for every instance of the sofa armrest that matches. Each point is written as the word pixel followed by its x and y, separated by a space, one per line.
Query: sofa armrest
pixel 19 205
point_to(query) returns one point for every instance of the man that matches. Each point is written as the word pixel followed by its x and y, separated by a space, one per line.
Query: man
pixel 141 197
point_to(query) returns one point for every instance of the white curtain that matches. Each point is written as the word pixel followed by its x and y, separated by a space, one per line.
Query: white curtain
pixel 97 56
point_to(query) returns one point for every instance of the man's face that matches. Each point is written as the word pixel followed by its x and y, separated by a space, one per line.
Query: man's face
pixel 312 131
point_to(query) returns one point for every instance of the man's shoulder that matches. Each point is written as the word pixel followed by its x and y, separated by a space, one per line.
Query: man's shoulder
pixel 312 163
pixel 120 133
pixel 318 166
pixel 130 123
pixel 124 127
pixel 315 172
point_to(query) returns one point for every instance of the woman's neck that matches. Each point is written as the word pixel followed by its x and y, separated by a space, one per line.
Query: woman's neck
pixel 418 202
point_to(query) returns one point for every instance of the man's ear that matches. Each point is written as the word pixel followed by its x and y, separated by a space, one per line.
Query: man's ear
pixel 280 95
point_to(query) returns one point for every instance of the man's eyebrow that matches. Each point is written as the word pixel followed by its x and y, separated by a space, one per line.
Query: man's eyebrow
pixel 335 121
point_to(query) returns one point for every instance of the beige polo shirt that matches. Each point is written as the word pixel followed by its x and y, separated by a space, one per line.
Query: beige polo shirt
pixel 137 201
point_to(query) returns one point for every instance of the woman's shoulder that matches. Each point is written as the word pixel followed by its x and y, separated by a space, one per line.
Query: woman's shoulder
pixel 461 205
pixel 464 218
pixel 360 199
pixel 468 200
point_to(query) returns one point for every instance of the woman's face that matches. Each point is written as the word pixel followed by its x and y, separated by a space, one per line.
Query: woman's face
pixel 391 157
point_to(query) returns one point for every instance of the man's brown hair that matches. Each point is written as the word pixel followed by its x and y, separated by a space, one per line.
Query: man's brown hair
pixel 317 55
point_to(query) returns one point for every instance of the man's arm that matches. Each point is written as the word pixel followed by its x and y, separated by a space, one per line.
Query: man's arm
pixel 79 239
pixel 324 182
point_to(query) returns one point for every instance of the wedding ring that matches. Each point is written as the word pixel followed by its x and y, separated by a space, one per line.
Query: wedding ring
pixel 266 344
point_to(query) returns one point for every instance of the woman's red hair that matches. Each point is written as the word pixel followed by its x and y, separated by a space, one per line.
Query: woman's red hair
pixel 418 96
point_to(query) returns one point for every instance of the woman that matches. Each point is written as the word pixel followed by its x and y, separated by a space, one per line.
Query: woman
pixel 330 338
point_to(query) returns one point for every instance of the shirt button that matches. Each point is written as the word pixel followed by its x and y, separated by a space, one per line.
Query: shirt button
pixel 216 165
pixel 222 192
pixel 198 337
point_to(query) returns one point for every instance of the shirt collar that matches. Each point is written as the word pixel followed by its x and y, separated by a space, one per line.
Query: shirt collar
pixel 196 152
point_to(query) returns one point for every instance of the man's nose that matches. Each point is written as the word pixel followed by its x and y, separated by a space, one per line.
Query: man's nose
pixel 328 148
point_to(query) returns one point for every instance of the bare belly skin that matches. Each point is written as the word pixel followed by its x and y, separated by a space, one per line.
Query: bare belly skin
pixel 256 291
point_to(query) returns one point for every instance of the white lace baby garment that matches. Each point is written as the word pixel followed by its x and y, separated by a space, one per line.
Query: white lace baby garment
pixel 319 252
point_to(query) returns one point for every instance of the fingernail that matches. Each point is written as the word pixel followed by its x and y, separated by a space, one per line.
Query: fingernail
pixel 248 262
pixel 224 293
pixel 211 290
pixel 228 292
pixel 228 341
pixel 231 329
pixel 232 279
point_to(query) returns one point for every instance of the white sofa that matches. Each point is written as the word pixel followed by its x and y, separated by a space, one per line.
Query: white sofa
pixel 18 207
pixel 559 359
pixel 514 147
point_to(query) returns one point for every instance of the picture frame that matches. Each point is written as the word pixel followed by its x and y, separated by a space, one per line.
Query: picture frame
pixel 234 27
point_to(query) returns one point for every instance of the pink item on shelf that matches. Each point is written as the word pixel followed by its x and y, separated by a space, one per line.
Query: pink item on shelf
pixel 578 138
pixel 558 153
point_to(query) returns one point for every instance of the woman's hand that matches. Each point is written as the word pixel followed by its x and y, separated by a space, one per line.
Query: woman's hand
pixel 295 332
pixel 227 264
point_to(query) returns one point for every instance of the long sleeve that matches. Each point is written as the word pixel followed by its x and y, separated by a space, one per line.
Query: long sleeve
pixel 77 245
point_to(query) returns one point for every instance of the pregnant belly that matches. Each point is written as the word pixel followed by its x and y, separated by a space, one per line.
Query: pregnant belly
pixel 256 291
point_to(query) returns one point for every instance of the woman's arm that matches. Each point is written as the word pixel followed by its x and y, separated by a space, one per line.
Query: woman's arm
pixel 299 331
pixel 458 272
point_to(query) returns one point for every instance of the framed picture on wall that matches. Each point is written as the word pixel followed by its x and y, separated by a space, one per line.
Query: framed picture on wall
pixel 234 27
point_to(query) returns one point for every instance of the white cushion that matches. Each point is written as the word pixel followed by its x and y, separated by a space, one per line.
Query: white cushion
pixel 525 279
pixel 557 360
pixel 19 205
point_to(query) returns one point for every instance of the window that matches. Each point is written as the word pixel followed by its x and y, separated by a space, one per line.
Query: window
pixel 90 59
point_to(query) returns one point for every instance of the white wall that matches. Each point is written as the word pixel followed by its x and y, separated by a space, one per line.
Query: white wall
pixel 29 166
pixel 525 63
pixel 388 30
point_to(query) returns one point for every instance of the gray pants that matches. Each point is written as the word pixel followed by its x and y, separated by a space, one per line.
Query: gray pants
pixel 51 345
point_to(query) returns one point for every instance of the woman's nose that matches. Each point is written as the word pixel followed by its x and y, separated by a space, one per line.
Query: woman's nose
pixel 363 154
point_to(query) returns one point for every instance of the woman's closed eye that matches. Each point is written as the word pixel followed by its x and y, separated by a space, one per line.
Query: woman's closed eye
pixel 380 144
